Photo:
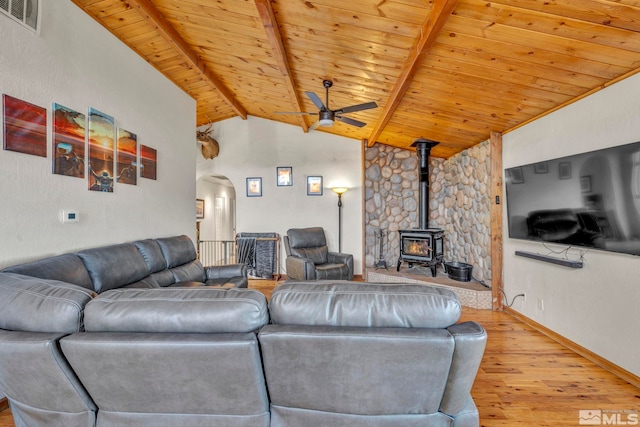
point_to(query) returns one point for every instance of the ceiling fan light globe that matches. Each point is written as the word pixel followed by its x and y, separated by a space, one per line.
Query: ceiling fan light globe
pixel 326 118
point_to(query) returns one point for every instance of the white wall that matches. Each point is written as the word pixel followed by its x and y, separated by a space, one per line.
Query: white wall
pixel 255 147
pixel 75 62
pixel 596 306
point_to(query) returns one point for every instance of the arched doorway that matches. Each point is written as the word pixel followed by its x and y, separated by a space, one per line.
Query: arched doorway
pixel 216 228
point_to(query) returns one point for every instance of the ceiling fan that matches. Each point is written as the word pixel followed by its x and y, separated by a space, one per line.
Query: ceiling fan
pixel 326 117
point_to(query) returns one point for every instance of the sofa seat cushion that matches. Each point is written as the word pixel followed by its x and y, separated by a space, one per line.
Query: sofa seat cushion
pixel 331 271
pixel 229 282
pixel 364 305
pixel 195 310
pixel 177 250
pixel 65 268
pixel 114 266
pixel 187 285
pixel 40 305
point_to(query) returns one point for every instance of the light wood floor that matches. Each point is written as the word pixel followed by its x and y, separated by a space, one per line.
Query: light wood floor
pixel 525 378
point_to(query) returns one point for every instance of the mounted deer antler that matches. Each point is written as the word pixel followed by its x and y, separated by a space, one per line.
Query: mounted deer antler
pixel 209 146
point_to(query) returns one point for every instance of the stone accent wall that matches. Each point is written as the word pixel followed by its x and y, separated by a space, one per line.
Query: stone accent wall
pixel 459 203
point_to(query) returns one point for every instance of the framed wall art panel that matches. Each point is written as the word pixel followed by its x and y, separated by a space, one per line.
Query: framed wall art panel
pixel 25 127
pixel 69 132
pixel 101 151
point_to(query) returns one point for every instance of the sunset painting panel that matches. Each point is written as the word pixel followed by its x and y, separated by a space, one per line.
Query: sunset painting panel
pixel 148 162
pixel 101 151
pixel 25 127
pixel 69 130
pixel 127 157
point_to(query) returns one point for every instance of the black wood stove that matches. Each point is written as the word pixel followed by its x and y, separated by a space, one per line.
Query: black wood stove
pixel 422 245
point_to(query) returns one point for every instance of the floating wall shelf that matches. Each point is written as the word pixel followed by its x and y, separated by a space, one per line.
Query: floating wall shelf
pixel 552 260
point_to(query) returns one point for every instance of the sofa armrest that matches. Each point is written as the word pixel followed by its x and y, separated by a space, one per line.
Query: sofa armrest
pixel 226 271
pixel 299 268
pixel 340 258
pixel 470 341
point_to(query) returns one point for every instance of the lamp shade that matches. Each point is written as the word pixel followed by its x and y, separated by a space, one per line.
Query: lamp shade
pixel 339 190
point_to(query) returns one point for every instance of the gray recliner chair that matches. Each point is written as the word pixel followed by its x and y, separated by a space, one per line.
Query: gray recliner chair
pixel 308 257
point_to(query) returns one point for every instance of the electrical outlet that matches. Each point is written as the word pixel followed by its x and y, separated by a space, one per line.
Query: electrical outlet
pixel 540 304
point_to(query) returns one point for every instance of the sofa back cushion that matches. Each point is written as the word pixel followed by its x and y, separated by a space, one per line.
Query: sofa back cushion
pixel 358 353
pixel 40 305
pixel 364 305
pixel 114 266
pixel 309 243
pixel 328 375
pixel 177 250
pixel 65 268
pixel 150 251
pixel 193 310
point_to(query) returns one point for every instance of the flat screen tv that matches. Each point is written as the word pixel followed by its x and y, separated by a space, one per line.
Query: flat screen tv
pixel 590 199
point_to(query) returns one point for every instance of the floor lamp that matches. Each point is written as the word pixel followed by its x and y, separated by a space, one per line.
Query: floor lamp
pixel 339 191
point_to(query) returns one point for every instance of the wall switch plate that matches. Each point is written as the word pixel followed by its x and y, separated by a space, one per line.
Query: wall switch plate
pixel 540 304
pixel 70 216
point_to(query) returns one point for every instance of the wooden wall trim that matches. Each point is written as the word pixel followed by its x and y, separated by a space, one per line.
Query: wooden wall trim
pixel 587 354
pixel 496 221
pixel 363 251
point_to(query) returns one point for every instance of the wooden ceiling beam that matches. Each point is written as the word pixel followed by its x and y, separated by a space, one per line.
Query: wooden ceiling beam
pixel 275 39
pixel 171 36
pixel 440 13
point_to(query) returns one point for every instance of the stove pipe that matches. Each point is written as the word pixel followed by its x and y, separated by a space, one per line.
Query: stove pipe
pixel 423 149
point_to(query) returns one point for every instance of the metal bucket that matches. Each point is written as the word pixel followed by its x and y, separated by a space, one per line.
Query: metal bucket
pixel 459 271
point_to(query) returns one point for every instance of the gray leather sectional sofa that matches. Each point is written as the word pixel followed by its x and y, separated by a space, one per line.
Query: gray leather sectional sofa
pixel 320 354
pixel 150 263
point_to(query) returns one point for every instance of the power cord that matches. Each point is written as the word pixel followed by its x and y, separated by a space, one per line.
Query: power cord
pixel 513 300
pixel 565 252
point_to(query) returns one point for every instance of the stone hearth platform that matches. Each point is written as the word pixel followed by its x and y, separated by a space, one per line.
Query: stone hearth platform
pixel 472 294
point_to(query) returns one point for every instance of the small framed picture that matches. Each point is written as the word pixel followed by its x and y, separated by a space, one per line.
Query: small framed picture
pixel 199 209
pixel 564 170
pixel 314 186
pixel 284 176
pixel 585 183
pixel 254 187
pixel 542 167
pixel 516 175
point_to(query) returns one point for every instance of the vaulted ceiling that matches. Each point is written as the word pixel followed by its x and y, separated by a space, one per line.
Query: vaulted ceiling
pixel 448 70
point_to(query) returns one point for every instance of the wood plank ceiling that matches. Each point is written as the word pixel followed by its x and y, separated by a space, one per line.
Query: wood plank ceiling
pixel 448 70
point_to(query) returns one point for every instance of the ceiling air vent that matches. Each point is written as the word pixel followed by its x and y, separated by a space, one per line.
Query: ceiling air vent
pixel 23 11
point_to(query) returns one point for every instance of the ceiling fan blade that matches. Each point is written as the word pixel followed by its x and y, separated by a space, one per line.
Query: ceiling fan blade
pixel 359 107
pixel 295 112
pixel 316 100
pixel 349 121
pixel 315 125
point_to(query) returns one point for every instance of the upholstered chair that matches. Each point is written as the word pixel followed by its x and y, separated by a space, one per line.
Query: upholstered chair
pixel 308 257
